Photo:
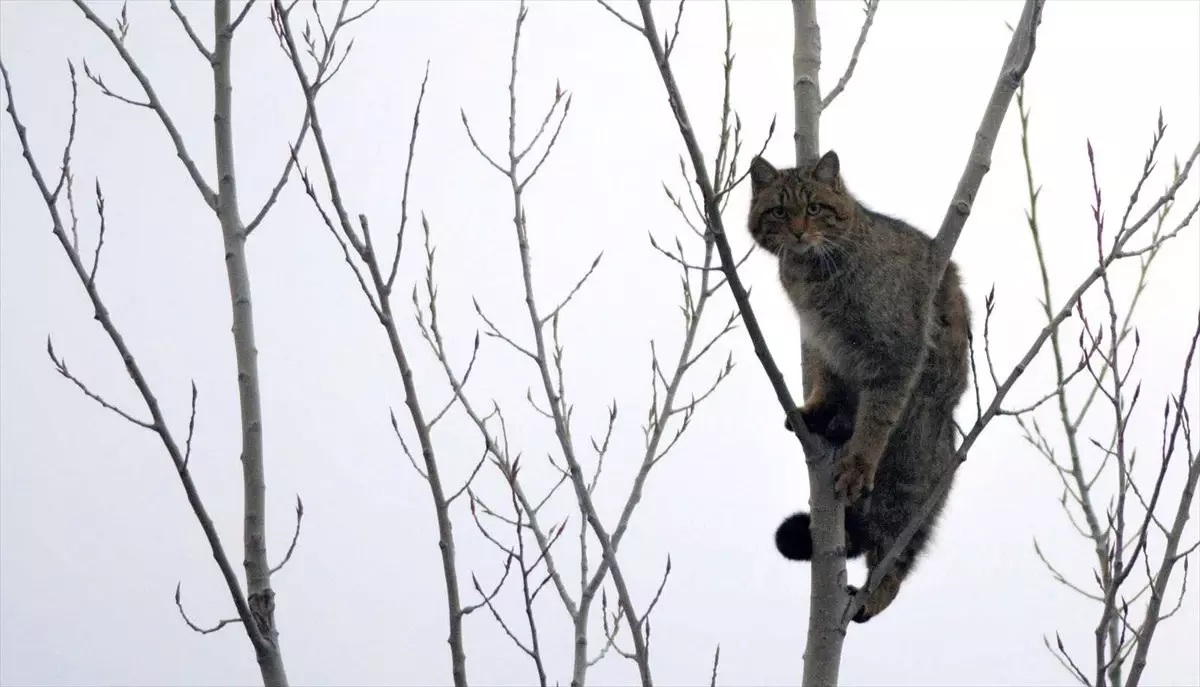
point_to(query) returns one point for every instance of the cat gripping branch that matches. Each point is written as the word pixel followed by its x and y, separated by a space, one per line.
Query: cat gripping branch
pixel 886 371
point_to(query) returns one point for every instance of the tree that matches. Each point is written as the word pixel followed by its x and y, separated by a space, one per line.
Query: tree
pixel 1139 513
pixel 526 476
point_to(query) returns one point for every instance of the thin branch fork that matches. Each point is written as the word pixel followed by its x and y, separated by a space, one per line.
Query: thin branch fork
pixel 381 285
pixel 556 405
pixel 717 229
pixel 870 7
pixel 661 411
pixel 1171 553
pixel 1019 369
pixel 152 102
pixel 158 422
pixel 1107 556
pixel 1115 571
pixel 432 332
pixel 557 409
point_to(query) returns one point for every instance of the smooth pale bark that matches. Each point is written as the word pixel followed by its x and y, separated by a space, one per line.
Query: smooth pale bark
pixel 827 595
pixel 259 594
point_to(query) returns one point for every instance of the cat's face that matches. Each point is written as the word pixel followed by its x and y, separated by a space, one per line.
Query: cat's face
pixel 805 210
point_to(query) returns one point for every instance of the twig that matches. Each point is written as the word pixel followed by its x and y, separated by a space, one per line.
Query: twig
pixel 1169 558
pixel 242 15
pixel 871 6
pixel 64 176
pixel 295 537
pixel 194 626
pixel 716 663
pixel 152 101
pixel 187 453
pixel 60 366
pixel 288 165
pixel 100 233
pixel 187 26
pixel 412 148
pixel 621 17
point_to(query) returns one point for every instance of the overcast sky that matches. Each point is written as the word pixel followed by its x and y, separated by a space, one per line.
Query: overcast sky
pixel 95 528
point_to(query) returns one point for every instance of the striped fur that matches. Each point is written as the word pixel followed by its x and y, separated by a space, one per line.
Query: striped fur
pixel 886 373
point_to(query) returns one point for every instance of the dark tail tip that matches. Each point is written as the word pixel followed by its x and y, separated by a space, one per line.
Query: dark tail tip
pixel 793 538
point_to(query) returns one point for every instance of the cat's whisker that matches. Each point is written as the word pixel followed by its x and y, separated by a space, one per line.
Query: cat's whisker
pixel 825 250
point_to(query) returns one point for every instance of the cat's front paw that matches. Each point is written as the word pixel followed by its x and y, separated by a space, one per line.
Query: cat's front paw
pixel 826 419
pixel 839 428
pixel 854 476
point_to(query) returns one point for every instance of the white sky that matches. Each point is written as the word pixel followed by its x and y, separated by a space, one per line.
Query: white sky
pixel 96 531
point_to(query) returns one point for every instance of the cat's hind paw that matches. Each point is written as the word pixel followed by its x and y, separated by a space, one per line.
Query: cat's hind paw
pixel 862 615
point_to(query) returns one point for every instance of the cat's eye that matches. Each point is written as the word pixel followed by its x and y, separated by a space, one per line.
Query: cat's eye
pixel 813 209
pixel 777 213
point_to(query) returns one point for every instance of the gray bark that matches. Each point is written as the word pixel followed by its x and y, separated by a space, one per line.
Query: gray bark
pixel 260 596
pixel 827 595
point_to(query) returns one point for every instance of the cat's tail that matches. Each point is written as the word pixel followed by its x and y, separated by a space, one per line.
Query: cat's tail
pixel 793 538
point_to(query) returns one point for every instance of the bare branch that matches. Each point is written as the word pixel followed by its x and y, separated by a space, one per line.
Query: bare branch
pixel 495 332
pixel 343 243
pixel 135 375
pixel 96 79
pixel 557 309
pixel 1058 576
pixel 621 17
pixel 64 176
pixel 187 26
pixel 466 375
pixel 1170 554
pixel 716 663
pixel 242 15
pixel 60 366
pixel 470 479
pixel 549 146
pixel 870 7
pixel 152 102
pixel 478 149
pixel 288 165
pixel 487 598
pixel 187 452
pixel 194 626
pixel 1065 659
pixel 295 537
pixel 558 96
pixel 669 41
pixel 412 147
pixel 487 601
pixel 657 595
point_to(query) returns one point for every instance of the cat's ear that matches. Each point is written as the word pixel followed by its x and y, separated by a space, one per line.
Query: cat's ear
pixel 829 170
pixel 761 173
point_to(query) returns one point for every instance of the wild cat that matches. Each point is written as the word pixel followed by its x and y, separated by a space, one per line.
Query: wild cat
pixel 886 371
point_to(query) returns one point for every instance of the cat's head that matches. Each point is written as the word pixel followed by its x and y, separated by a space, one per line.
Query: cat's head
pixel 801 209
